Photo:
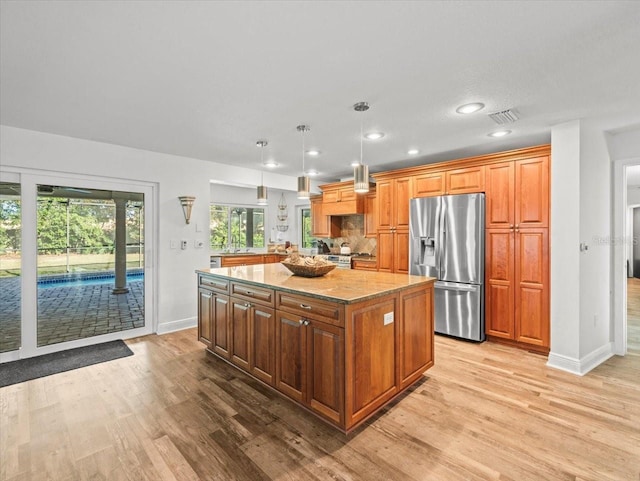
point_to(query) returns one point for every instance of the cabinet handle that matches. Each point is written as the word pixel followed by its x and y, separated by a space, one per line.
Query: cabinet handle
pixel 249 293
pixel 247 304
pixel 511 226
pixel 302 322
pixel 304 306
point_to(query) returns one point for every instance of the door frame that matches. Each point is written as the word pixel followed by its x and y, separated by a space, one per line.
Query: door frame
pixel 620 238
pixel 28 180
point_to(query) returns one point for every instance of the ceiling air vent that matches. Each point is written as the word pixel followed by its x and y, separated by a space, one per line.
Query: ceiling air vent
pixel 504 117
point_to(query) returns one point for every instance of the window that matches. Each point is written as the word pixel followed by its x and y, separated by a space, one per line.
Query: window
pixel 307 240
pixel 234 227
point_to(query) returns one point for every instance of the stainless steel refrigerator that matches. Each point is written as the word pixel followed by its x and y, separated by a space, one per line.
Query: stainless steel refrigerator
pixel 447 242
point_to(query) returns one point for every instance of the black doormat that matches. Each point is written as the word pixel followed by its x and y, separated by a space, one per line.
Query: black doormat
pixel 40 366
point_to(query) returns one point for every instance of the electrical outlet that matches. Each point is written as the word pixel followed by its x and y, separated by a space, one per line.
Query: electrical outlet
pixel 388 318
pixel 183 245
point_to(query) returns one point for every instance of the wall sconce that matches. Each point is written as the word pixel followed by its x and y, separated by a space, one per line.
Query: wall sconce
pixel 186 201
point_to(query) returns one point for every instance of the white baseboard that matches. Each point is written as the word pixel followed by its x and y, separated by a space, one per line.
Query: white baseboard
pixel 178 325
pixel 581 366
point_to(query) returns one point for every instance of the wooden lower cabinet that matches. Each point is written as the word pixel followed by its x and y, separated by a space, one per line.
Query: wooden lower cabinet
pixel 204 316
pixel 517 286
pixel 342 362
pixel 393 251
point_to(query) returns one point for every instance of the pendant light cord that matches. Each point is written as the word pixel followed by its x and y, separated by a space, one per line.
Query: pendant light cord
pixel 303 131
pixel 361 137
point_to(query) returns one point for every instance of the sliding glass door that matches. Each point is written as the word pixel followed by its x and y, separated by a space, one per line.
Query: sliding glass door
pixel 75 263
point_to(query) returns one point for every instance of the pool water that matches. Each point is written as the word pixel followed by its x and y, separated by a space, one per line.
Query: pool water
pixel 78 282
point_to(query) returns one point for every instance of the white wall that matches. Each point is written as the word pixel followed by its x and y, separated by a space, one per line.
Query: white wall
pixel 595 229
pixel 565 242
pixel 173 175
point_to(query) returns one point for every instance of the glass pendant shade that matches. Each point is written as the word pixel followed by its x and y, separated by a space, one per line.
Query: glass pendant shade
pixel 262 195
pixel 361 178
pixel 303 187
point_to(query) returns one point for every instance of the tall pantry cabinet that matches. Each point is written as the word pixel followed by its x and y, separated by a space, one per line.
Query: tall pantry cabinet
pixel 517 251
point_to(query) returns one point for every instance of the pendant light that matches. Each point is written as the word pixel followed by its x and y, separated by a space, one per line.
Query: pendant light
pixel 303 181
pixel 262 189
pixel 361 171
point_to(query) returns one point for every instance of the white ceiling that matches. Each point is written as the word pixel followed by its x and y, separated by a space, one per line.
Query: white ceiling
pixel 208 79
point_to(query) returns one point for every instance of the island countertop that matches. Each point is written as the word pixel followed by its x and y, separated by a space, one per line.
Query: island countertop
pixel 345 286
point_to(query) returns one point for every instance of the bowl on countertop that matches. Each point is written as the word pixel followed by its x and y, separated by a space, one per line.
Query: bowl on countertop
pixel 304 270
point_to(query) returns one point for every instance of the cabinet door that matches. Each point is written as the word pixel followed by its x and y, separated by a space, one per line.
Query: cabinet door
pixel 416 335
pixel 370 220
pixel 465 181
pixel 402 196
pixel 372 351
pixel 291 360
pixel 221 326
pixel 401 251
pixel 240 333
pixel 319 224
pixel 263 343
pixel 204 316
pixel 384 204
pixel 427 185
pixel 532 192
pixel 499 287
pixel 500 198
pixel 532 287
pixel 385 251
pixel 325 361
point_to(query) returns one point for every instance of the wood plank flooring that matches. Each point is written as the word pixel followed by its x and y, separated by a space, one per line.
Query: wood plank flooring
pixel 172 412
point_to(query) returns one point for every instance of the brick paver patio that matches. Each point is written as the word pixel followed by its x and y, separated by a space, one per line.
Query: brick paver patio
pixel 68 313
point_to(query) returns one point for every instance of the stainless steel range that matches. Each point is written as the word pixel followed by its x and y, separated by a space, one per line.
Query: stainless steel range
pixel 342 262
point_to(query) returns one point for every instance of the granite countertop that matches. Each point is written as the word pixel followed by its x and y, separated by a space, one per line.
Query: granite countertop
pixel 238 254
pixel 340 285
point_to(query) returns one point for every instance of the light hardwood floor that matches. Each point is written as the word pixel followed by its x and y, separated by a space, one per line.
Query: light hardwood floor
pixel 172 412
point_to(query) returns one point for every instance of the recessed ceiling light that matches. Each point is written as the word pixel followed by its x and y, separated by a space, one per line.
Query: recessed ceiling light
pixel 270 164
pixel 313 153
pixel 312 172
pixel 413 151
pixel 470 108
pixel 374 135
pixel 354 163
pixel 499 133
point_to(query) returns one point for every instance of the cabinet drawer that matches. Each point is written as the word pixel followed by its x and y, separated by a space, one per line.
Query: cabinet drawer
pixel 235 261
pixel 252 293
pixel 326 311
pixel 214 283
pixel 365 265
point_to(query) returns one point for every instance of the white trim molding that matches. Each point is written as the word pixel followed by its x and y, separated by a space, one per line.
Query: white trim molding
pixel 583 365
pixel 178 325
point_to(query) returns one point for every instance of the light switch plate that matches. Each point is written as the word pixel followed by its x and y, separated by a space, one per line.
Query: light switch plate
pixel 388 318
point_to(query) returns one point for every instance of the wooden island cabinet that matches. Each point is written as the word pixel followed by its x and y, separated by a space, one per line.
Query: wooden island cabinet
pixel 341 346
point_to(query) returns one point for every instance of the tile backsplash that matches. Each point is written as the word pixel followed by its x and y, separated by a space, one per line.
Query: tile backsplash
pixel 352 232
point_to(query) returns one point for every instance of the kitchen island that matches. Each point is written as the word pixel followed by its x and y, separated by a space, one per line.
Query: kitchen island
pixel 342 345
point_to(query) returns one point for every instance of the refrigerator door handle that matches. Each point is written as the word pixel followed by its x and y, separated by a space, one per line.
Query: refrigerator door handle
pixel 456 287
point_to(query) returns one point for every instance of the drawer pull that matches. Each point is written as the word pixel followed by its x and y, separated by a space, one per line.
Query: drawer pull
pixel 305 306
pixel 247 304
pixel 303 322
pixel 249 293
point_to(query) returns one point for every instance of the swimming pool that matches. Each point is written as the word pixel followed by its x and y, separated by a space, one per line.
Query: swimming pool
pixel 82 280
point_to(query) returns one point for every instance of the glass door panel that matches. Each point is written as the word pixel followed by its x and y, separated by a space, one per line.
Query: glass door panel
pixel 10 266
pixel 90 267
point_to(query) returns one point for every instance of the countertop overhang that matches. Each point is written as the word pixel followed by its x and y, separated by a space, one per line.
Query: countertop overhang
pixel 345 286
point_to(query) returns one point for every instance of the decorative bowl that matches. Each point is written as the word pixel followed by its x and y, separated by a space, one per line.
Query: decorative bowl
pixel 304 270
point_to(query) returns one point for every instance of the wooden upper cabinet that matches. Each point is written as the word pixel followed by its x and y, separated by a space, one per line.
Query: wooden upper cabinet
pixel 532 192
pixel 500 200
pixel 427 185
pixel 323 225
pixel 370 215
pixel 465 181
pixel 518 194
pixel 392 201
